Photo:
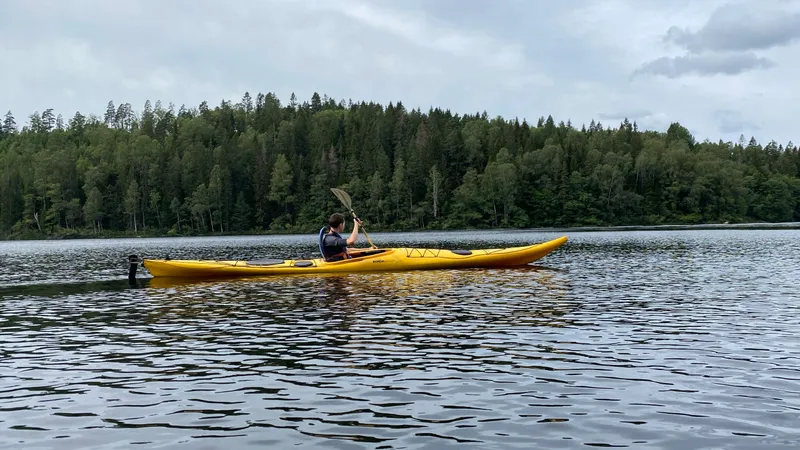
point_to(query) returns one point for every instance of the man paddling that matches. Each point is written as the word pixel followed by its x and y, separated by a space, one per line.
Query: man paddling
pixel 331 244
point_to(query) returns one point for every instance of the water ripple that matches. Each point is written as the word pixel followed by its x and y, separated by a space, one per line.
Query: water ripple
pixel 666 340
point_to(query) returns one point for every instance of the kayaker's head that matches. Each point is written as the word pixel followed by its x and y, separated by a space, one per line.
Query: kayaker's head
pixel 336 222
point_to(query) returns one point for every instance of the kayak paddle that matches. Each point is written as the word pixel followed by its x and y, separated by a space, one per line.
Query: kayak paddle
pixel 344 197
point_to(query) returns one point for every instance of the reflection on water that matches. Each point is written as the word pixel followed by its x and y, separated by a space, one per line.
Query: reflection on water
pixel 678 340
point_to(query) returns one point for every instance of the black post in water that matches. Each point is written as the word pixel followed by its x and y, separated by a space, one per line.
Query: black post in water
pixel 133 262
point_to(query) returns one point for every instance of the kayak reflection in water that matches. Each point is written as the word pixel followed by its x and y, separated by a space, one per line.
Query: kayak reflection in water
pixel 331 244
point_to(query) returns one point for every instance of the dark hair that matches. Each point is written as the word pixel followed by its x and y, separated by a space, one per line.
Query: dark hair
pixel 335 220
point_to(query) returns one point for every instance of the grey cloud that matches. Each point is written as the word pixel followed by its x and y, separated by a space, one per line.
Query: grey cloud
pixel 202 50
pixel 634 114
pixel 705 65
pixel 732 122
pixel 464 56
pixel 737 27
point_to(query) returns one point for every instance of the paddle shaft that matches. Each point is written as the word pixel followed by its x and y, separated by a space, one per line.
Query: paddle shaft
pixel 344 197
pixel 362 228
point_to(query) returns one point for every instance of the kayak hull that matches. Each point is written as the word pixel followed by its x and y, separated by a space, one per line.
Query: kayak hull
pixel 364 260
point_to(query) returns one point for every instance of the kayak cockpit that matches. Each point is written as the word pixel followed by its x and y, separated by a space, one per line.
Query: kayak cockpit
pixel 370 252
pixel 354 255
pixel 359 255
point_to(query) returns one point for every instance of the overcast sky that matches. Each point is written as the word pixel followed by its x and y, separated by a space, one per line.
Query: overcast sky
pixel 721 68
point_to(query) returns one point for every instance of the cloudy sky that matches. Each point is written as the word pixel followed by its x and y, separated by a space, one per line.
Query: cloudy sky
pixel 721 68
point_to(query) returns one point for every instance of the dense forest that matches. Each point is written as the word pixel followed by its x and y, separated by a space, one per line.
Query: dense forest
pixel 258 165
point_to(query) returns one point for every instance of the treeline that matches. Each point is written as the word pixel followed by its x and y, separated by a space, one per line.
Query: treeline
pixel 259 165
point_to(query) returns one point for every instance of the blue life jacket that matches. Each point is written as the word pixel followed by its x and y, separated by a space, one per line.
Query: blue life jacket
pixel 322 247
pixel 326 255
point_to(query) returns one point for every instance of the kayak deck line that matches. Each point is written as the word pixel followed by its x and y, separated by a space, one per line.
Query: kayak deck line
pixel 363 260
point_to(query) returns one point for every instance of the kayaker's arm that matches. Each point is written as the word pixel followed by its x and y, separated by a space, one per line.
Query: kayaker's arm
pixel 354 235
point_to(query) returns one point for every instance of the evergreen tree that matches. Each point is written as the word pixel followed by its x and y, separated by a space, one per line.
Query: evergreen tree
pixel 262 165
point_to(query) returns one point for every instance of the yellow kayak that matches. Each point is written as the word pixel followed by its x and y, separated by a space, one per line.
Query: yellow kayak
pixel 363 260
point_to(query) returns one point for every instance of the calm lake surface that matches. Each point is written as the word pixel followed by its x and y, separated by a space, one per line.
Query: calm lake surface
pixel 642 339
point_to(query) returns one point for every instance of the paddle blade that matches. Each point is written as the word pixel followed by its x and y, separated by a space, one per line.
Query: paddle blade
pixel 343 197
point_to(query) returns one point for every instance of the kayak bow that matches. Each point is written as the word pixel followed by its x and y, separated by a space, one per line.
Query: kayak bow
pixel 364 260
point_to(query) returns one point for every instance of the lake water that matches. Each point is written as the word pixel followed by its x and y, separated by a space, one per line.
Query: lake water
pixel 643 339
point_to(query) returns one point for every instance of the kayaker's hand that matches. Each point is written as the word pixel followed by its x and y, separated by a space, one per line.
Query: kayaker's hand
pixel 358 221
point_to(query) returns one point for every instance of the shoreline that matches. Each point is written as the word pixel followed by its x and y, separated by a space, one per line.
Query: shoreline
pixel 581 229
